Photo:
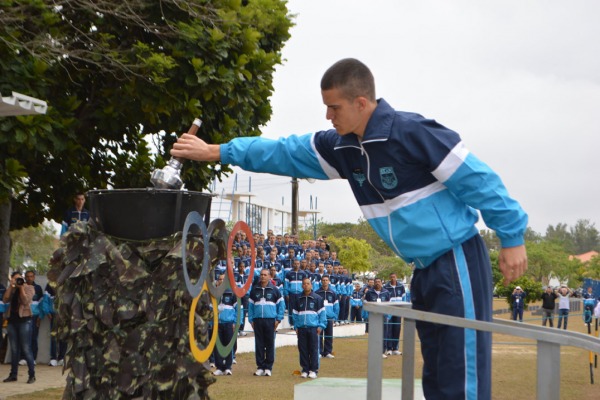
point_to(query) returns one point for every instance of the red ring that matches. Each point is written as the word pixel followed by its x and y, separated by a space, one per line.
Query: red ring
pixel 240 291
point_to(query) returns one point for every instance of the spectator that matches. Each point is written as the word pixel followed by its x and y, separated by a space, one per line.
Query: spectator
pixel 3 307
pixel 379 294
pixel 401 166
pixel 356 304
pixel 589 303
pixel 518 303
pixel 18 296
pixel 265 311
pixel 227 320
pixel 392 336
pixel 564 305
pixel 548 302
pixel 332 310
pixel 75 213
pixel 309 322
pixel 37 297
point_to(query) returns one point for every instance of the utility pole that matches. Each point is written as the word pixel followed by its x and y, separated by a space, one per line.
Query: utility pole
pixel 294 206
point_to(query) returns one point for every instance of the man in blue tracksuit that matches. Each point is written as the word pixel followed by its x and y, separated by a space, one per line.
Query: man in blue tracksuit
pixel 265 311
pixel 292 287
pixel 419 187
pixel 332 311
pixel 309 321
pixel 356 304
pixel 379 294
pixel 227 320
pixel 392 335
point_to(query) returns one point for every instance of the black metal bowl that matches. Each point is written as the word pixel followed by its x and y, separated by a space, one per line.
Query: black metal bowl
pixel 141 214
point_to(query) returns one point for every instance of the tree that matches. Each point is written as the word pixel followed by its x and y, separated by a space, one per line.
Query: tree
pixel 546 259
pixel 585 237
pixel 115 72
pixel 560 234
pixel 32 247
pixel 361 230
pixel 353 253
pixel 531 287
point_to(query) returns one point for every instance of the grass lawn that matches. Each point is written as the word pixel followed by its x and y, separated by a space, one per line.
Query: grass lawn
pixel 513 376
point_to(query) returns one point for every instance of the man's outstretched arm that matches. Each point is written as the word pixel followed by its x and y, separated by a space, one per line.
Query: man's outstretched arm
pixel 192 147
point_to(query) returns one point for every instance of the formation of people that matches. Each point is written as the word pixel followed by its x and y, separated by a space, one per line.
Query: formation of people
pixel 308 282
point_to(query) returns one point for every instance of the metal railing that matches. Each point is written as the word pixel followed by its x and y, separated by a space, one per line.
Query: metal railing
pixel 548 346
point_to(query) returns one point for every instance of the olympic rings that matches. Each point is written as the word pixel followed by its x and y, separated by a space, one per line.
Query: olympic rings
pixel 205 283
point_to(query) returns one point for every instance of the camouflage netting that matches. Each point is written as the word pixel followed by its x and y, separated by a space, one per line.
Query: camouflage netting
pixel 123 309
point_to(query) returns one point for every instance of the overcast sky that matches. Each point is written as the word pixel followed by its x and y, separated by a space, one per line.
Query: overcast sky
pixel 518 80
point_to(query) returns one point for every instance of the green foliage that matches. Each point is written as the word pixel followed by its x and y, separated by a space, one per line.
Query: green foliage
pixel 361 230
pixel 111 81
pixel 530 286
pixel 353 253
pixel 32 247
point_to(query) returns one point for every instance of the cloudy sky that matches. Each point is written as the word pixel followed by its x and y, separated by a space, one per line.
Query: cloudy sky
pixel 518 80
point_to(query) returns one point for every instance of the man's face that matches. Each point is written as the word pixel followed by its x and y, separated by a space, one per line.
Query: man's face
pixel 292 253
pixel 296 265
pixel 306 286
pixel 29 278
pixel 393 279
pixel 79 201
pixel 325 282
pixel 303 264
pixel 264 277
pixel 548 289
pixel 333 255
pixel 220 280
pixel 344 114
pixel 370 282
pixel 273 272
pixel 377 284
pixel 273 254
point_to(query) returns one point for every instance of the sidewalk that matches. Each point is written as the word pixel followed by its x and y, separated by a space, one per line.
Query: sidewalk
pixel 45 378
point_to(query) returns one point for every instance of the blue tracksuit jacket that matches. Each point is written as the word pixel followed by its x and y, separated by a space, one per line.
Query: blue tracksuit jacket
pixel 415 181
pixel 332 306
pixel 265 302
pixel 309 312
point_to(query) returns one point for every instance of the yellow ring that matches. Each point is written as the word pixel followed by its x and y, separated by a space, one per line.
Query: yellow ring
pixel 203 355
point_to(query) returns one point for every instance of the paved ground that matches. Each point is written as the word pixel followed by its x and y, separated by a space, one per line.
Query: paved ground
pixel 46 377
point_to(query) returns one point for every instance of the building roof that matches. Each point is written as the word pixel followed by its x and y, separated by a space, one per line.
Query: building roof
pixel 585 257
pixel 20 104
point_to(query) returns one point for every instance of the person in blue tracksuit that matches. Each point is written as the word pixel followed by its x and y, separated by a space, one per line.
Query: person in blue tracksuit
pixel 379 294
pixel 309 321
pixel 419 187
pixel 356 304
pixel 241 277
pixel 332 311
pixel 75 213
pixel 227 320
pixel 265 311
pixel 589 303
pixel 518 303
pixel 392 336
pixel 292 287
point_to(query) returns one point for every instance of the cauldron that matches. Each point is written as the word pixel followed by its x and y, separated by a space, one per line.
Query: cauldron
pixel 142 214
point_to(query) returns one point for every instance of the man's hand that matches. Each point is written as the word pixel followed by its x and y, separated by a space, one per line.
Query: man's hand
pixel 318 331
pixel 192 147
pixel 512 262
pixel 276 324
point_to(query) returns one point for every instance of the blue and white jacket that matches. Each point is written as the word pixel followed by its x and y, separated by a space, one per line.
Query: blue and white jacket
pixel 309 312
pixel 227 308
pixel 414 180
pixel 397 291
pixel 330 301
pixel 265 302
pixel 293 282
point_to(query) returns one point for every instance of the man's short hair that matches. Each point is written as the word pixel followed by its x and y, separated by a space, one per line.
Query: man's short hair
pixel 351 77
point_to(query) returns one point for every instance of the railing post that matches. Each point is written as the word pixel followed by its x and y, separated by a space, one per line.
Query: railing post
pixel 408 359
pixel 548 370
pixel 374 364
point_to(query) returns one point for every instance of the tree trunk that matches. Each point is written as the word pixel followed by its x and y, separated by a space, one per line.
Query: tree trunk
pixel 5 209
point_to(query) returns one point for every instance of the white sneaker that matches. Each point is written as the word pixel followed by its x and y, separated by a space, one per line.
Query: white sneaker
pixel 304 375
pixel 212 365
pixel 234 362
pixel 217 372
pixel 53 363
pixel 22 362
pixel 329 356
pixel 397 352
pixel 384 356
pixel 242 333
pixel 228 372
pixel 388 353
pixel 267 372
pixel 312 375
pixel 259 372
pixel 61 363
